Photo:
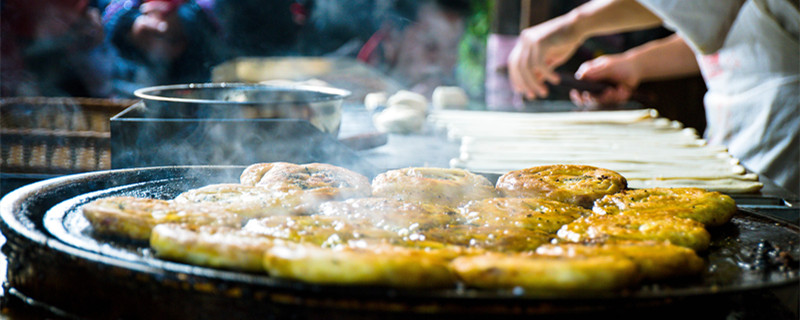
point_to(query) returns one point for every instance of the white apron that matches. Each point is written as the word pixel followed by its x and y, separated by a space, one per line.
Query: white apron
pixel 750 59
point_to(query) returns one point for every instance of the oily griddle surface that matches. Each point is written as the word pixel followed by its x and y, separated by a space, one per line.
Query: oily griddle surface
pixel 747 253
pixel 47 234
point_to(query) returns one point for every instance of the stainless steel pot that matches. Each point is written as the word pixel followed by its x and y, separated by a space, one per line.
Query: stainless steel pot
pixel 321 106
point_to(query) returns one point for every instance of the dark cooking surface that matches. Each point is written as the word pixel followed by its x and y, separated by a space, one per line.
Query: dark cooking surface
pixel 733 260
pixel 52 251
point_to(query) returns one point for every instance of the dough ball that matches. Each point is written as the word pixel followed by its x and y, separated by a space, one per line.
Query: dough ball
pixel 399 119
pixel 408 99
pixel 374 100
pixel 449 98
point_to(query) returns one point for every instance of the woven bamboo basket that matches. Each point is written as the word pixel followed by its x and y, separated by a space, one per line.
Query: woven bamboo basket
pixel 41 135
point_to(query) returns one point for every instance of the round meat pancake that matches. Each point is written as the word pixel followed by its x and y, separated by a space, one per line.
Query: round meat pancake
pixel 324 181
pixel 373 264
pixel 656 260
pixel 502 239
pixel 392 214
pixel 211 246
pixel 319 230
pixel 709 208
pixel 576 184
pixel 533 214
pixel 250 201
pixel 657 227
pixel 134 218
pixel 546 275
pixel 449 187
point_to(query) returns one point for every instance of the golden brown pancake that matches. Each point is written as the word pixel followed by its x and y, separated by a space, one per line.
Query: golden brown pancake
pixel 361 265
pixel 533 214
pixel 576 184
pixel 657 227
pixel 709 208
pixel 249 201
pixel 325 181
pixel 210 246
pixel 318 230
pixel 392 214
pixel 134 218
pixel 449 187
pixel 502 239
pixel 546 275
pixel 656 260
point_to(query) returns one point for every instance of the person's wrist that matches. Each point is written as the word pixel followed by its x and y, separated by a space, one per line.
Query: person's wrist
pixel 572 26
pixel 635 65
pixel 582 23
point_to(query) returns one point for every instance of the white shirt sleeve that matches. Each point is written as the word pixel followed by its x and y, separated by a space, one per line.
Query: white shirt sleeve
pixel 704 24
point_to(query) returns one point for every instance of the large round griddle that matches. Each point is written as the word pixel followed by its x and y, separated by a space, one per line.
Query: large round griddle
pixel 56 259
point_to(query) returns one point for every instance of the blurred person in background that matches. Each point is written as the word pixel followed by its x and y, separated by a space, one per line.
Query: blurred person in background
pixel 53 48
pixel 344 27
pixel 414 42
pixel 260 28
pixel 746 50
pixel 159 42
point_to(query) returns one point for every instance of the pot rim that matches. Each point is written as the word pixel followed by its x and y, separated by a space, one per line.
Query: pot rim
pixel 324 93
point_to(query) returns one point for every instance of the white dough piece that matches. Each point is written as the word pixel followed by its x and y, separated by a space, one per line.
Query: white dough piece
pixel 724 185
pixel 409 99
pixel 399 119
pixel 620 116
pixel 374 100
pixel 445 97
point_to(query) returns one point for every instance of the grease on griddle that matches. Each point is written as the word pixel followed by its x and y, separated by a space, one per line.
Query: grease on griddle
pixel 767 257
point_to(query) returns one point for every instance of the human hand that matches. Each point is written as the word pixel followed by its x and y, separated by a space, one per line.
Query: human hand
pixel 539 50
pixel 157 31
pixel 618 69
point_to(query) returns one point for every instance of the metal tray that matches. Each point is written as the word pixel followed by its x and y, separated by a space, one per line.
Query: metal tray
pixel 55 258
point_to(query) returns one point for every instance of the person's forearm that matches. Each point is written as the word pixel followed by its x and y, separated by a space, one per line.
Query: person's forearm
pixel 663 59
pixel 602 17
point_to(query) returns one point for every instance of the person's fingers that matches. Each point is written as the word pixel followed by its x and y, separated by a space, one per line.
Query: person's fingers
pixel 158 7
pixel 151 23
pixel 526 74
pixel 552 77
pixel 619 95
pixel 612 97
pixel 592 69
pixel 575 97
pixel 591 101
pixel 513 71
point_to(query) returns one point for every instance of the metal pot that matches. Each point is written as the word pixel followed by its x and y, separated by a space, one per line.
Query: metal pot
pixel 231 124
pixel 322 106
